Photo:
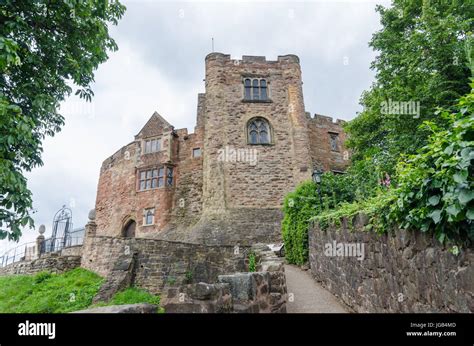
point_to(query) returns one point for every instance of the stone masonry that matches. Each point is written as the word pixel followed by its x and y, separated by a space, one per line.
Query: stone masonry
pixel 55 262
pixel 263 291
pixel 159 264
pixel 406 271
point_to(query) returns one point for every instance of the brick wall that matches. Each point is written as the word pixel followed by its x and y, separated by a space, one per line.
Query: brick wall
pixel 402 272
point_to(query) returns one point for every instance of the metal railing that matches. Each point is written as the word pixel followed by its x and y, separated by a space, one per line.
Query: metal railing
pixel 27 251
pixel 30 251
pixel 57 244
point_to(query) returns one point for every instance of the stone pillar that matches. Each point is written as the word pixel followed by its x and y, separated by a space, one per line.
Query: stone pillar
pixel 91 226
pixel 39 241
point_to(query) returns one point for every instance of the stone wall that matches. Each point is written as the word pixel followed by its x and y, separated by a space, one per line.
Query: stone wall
pixel 72 251
pixel 119 197
pixel 406 271
pixel 230 184
pixel 52 262
pixel 263 291
pixel 160 263
pixel 241 226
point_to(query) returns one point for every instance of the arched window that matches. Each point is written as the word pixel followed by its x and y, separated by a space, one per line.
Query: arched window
pixel 258 131
pixel 149 216
pixel 129 229
pixel 255 89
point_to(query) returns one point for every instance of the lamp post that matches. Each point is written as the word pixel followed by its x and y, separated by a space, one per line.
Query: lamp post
pixel 317 180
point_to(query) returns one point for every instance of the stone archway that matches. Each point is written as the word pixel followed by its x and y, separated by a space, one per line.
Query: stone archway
pixel 128 230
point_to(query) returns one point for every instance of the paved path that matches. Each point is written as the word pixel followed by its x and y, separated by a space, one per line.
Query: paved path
pixel 308 295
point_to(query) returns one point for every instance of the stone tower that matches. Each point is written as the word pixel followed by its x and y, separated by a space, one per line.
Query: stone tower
pixel 281 163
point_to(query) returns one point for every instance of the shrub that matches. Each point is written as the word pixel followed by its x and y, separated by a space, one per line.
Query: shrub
pixel 435 187
pixel 304 203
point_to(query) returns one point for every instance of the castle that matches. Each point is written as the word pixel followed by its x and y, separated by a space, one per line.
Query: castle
pixel 224 183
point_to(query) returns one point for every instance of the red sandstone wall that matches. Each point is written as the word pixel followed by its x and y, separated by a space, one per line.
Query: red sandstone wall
pixel 320 128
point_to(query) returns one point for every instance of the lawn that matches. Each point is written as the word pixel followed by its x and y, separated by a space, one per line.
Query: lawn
pixel 60 293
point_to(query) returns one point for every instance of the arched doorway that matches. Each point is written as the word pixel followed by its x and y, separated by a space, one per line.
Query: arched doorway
pixel 128 230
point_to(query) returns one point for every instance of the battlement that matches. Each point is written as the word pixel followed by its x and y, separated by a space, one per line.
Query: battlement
pixel 326 120
pixel 252 59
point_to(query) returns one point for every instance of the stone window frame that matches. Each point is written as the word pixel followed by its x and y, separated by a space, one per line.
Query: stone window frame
pixel 334 136
pixel 270 131
pixel 162 175
pixel 158 139
pixel 193 153
pixel 146 213
pixel 259 80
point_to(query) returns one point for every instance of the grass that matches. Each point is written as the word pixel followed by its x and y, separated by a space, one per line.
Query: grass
pixel 60 293
pixel 132 295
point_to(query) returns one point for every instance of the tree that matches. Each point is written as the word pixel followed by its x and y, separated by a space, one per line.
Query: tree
pixel 45 47
pixel 424 55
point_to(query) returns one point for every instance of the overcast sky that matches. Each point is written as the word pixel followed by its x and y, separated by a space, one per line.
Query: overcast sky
pixel 160 66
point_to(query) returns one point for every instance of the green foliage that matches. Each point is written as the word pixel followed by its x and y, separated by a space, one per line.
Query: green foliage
pixel 304 203
pixel 252 262
pixel 376 208
pixel 45 47
pixel 436 186
pixel 189 276
pixel 435 191
pixel 48 293
pixel 425 55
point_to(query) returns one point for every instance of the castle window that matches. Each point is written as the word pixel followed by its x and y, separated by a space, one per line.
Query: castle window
pixel 255 89
pixel 334 139
pixel 149 216
pixel 161 177
pixel 169 176
pixel 165 176
pixel 258 131
pixel 148 179
pixel 248 89
pixel 263 89
pixel 197 152
pixel 156 177
pixel 152 145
